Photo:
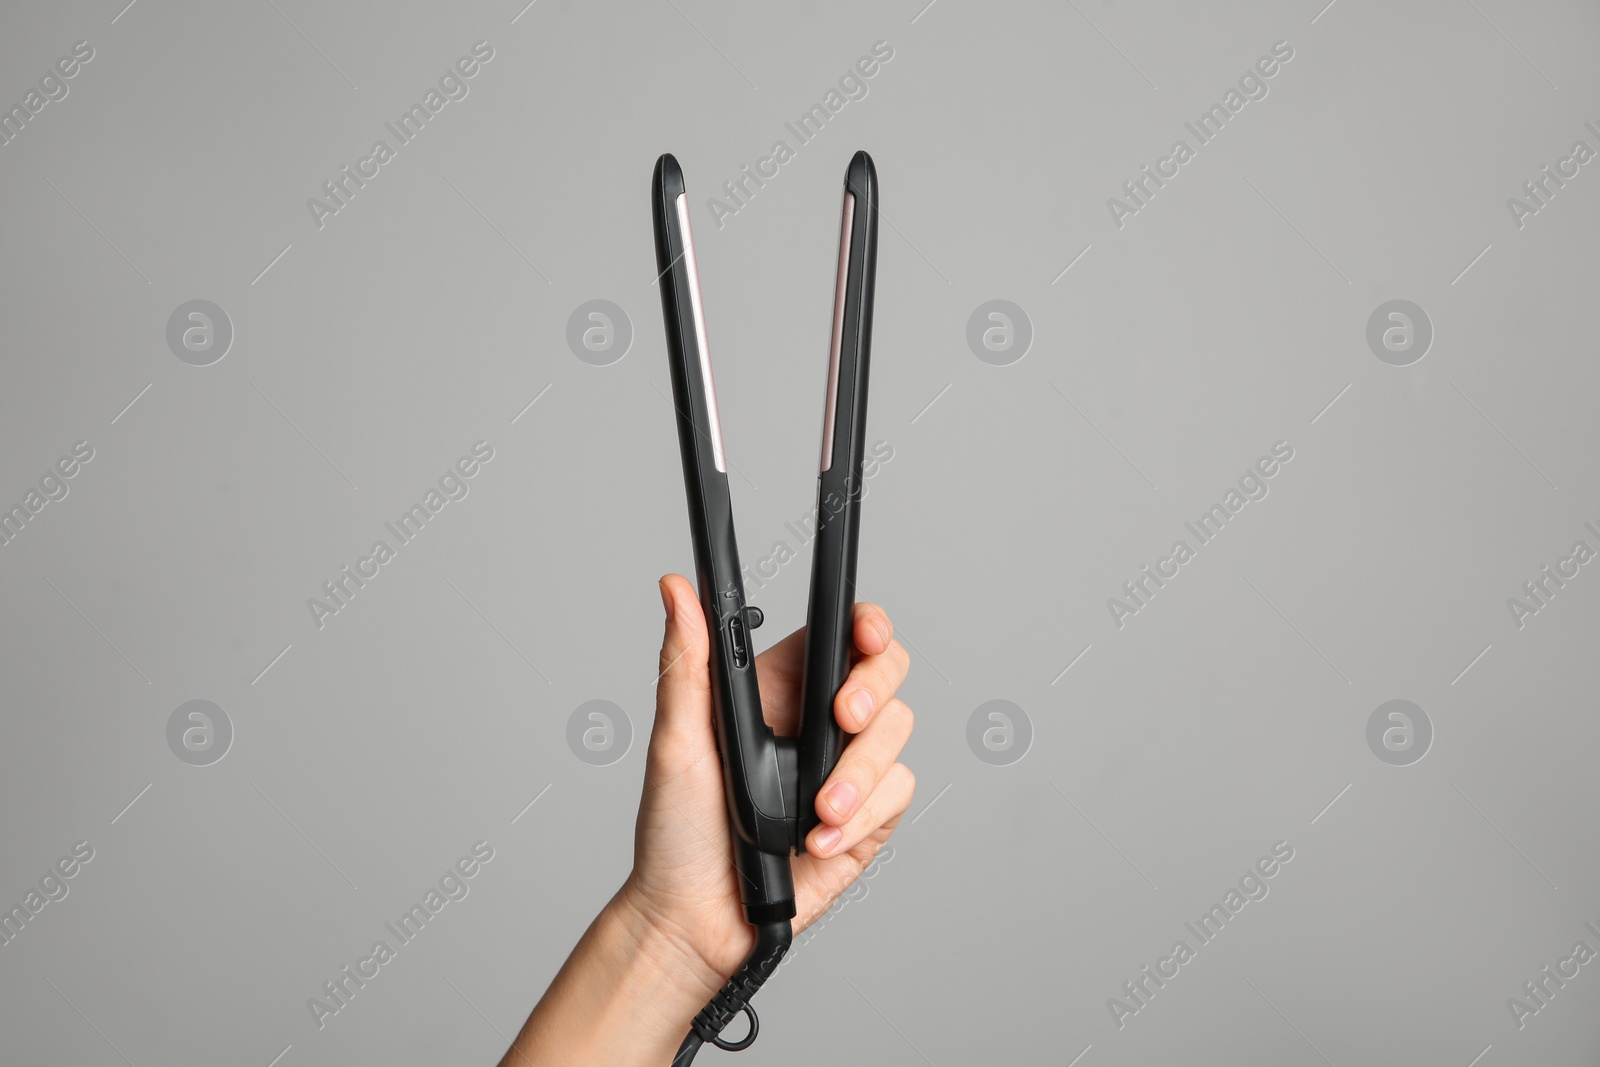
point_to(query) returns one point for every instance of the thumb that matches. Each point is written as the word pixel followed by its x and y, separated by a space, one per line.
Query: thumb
pixel 683 689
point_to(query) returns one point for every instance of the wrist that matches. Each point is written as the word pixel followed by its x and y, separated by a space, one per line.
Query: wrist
pixel 665 950
pixel 625 997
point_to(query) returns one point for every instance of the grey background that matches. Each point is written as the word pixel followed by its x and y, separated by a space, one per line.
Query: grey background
pixel 1226 316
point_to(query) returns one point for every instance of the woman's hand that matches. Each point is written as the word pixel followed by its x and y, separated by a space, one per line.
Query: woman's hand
pixel 675 931
pixel 683 878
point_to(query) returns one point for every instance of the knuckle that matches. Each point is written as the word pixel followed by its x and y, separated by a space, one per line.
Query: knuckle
pixel 850 769
pixel 881 677
pixel 899 715
pixel 866 818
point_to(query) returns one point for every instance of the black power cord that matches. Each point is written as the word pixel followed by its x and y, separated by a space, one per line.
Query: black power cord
pixel 772 941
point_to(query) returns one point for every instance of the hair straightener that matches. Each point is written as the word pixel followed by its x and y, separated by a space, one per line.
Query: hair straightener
pixel 771 782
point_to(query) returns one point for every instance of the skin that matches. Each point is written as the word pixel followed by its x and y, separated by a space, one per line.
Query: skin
pixel 674 932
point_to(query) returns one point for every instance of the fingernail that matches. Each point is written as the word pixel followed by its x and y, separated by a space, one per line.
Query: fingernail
pixel 825 838
pixel 860 704
pixel 883 631
pixel 842 798
pixel 666 598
